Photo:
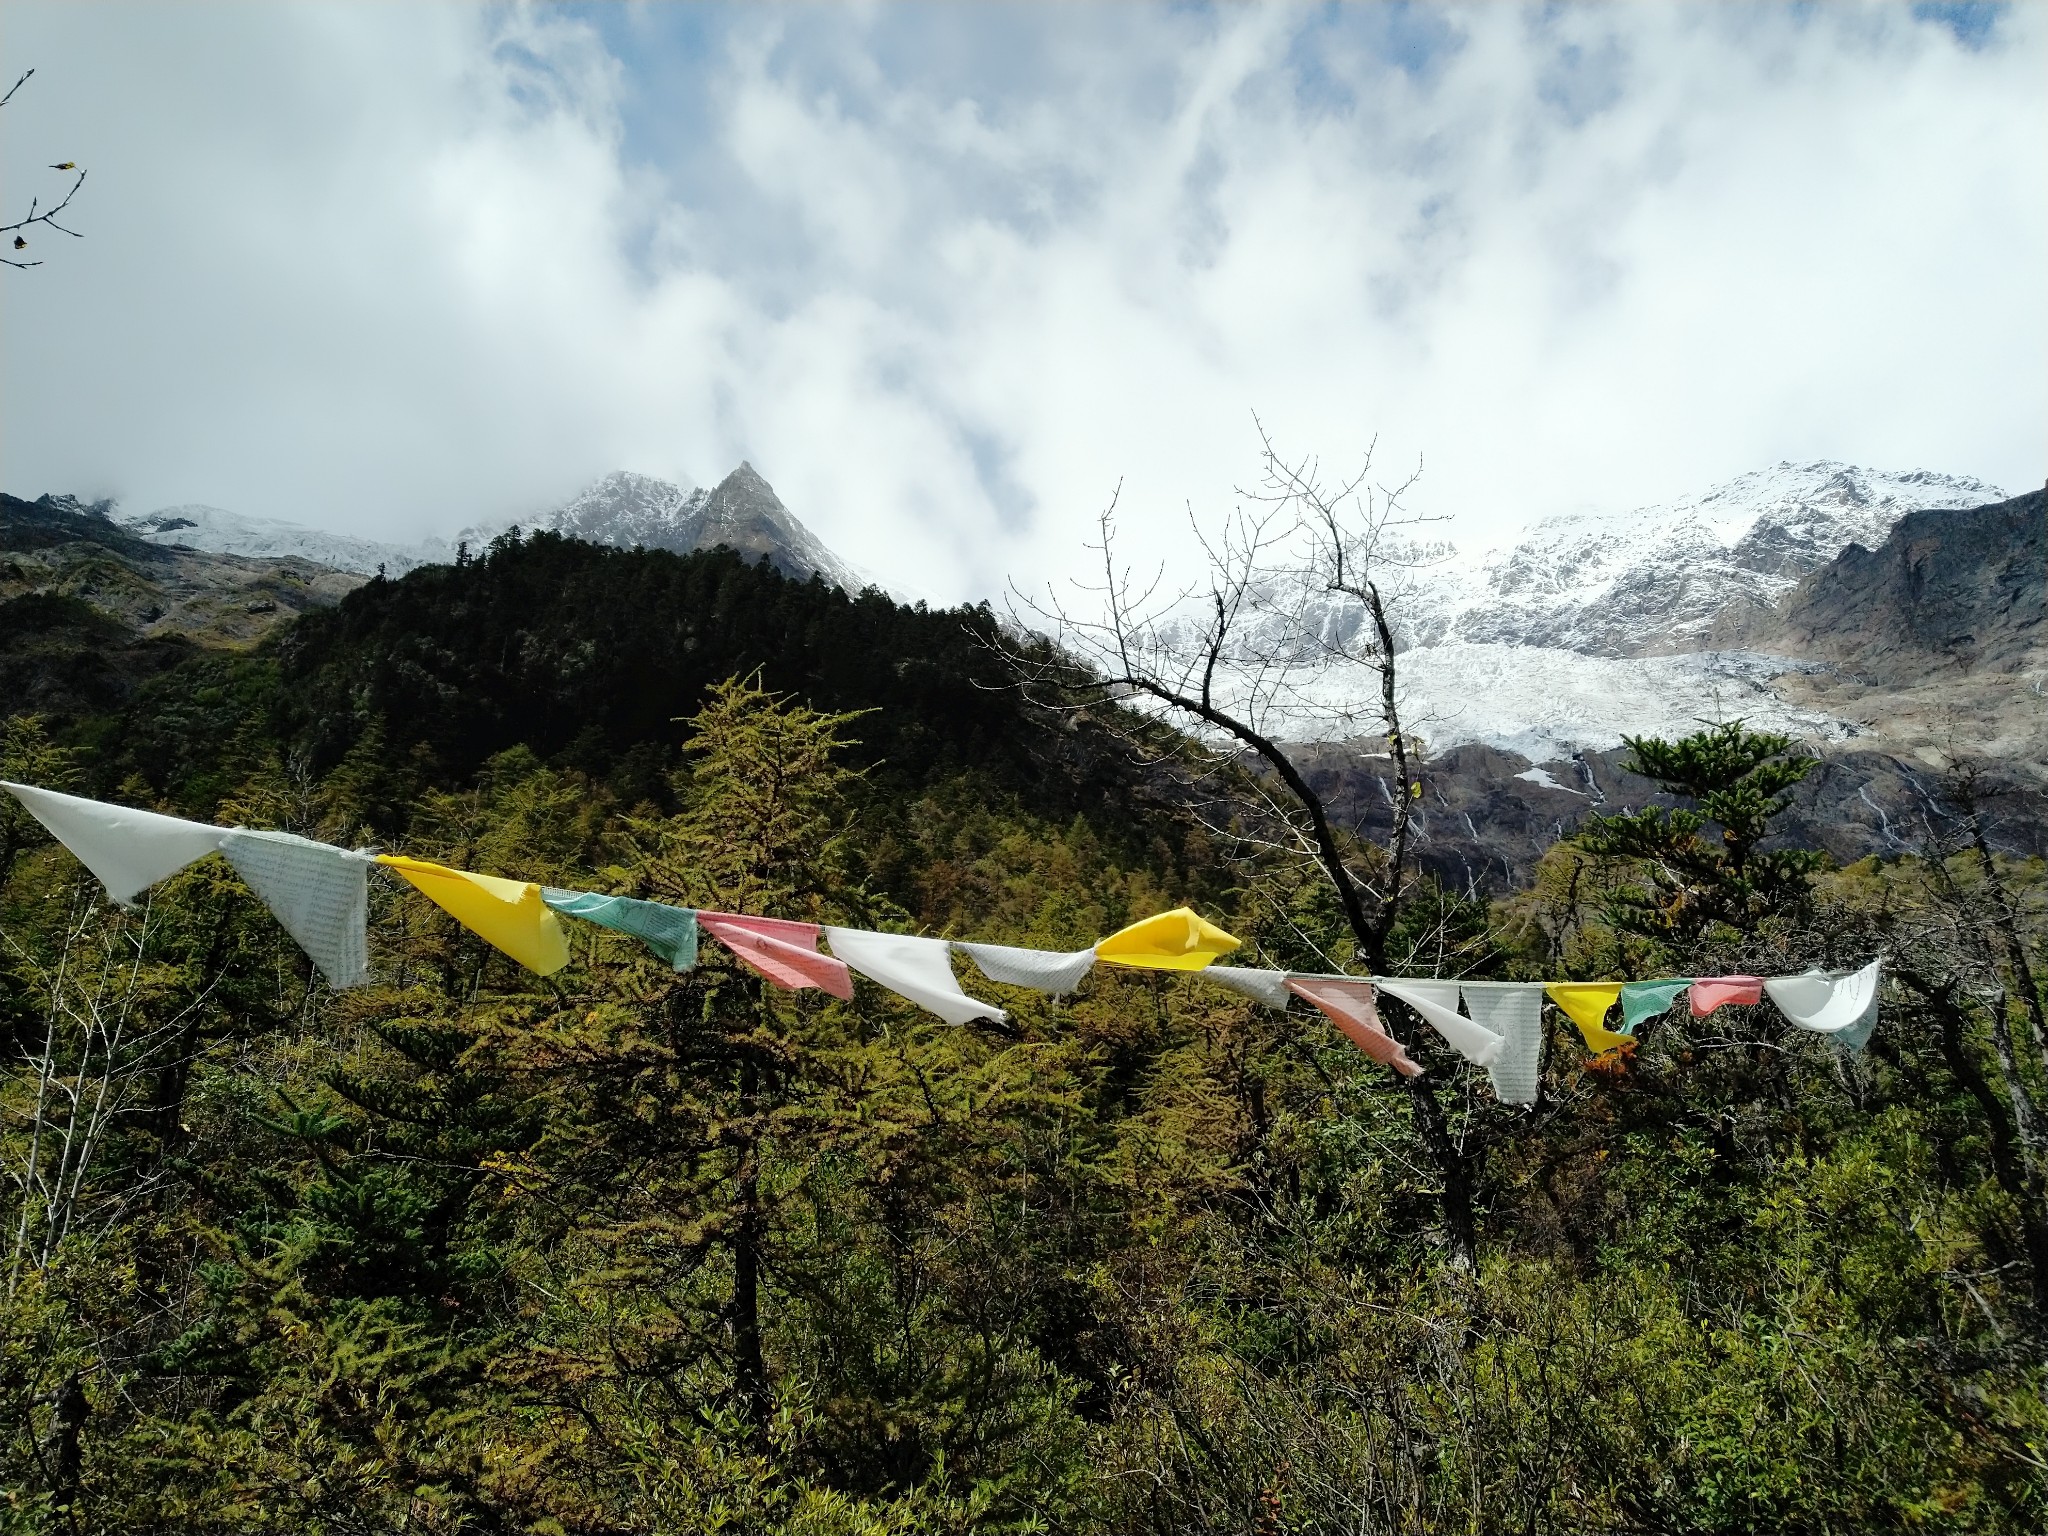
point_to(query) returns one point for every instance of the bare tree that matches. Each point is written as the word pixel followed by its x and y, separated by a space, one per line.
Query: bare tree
pixel 38 216
pixel 64 1099
pixel 1289 636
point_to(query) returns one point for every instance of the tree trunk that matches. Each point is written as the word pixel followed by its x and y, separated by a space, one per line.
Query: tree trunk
pixel 61 1445
pixel 750 1370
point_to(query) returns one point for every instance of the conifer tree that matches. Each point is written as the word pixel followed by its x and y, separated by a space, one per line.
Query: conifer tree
pixel 1699 872
pixel 688 1100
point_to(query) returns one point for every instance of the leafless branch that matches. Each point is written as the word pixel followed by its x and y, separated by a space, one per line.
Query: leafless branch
pixel 47 218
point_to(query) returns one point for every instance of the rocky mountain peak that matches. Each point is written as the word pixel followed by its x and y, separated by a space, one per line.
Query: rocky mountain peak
pixel 742 513
pixel 626 509
pixel 103 509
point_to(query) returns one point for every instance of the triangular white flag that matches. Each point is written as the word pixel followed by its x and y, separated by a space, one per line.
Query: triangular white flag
pixel 1437 1002
pixel 129 850
pixel 917 968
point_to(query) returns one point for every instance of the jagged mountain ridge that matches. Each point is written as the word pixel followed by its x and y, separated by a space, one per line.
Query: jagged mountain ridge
pixel 1691 575
pixel 1590 626
pixel 742 513
pixel 621 509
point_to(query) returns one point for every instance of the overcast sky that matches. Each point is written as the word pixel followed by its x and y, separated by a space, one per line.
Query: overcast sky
pixel 946 274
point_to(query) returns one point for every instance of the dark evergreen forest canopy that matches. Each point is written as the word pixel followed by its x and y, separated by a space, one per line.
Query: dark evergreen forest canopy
pixel 627 1250
pixel 581 653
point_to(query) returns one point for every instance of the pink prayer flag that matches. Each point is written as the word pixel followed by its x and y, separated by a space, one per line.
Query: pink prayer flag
pixel 786 953
pixel 1710 992
pixel 1350 1006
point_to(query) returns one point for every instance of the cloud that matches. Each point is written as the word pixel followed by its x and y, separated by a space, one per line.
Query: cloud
pixel 946 275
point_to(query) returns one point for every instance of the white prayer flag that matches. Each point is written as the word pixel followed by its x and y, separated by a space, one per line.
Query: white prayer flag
pixel 1514 1011
pixel 320 894
pixel 1043 970
pixel 1839 1004
pixel 129 850
pixel 1437 1002
pixel 917 968
pixel 1268 987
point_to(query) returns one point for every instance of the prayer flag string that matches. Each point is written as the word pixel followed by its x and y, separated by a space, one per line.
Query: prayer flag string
pixel 317 892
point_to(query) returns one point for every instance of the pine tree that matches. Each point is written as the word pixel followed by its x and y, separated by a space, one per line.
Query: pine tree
pixel 1702 875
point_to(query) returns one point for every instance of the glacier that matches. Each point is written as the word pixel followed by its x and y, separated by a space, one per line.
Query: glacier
pixel 216 531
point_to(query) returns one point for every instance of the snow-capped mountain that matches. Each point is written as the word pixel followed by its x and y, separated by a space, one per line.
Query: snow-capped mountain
pixel 1663 580
pixel 622 509
pixel 219 532
pixel 741 512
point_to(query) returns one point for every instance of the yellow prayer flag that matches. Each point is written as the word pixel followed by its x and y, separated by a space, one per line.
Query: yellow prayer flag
pixel 1586 1003
pixel 1178 940
pixel 506 913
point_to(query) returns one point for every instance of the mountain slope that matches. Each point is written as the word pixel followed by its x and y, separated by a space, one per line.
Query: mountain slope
pixel 58 546
pixel 1486 816
pixel 592 655
pixel 89 611
pixel 1946 593
pixel 1934 644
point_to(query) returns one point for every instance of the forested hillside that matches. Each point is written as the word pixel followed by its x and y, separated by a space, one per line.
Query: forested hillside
pixel 631 1250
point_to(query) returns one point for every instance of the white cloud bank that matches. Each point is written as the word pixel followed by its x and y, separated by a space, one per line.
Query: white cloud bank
pixel 945 276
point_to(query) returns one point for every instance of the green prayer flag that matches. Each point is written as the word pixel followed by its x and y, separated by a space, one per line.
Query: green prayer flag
pixel 1643 999
pixel 671 932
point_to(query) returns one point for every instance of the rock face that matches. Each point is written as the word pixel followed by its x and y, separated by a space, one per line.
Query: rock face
pixel 743 512
pixel 1487 816
pixel 1945 593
